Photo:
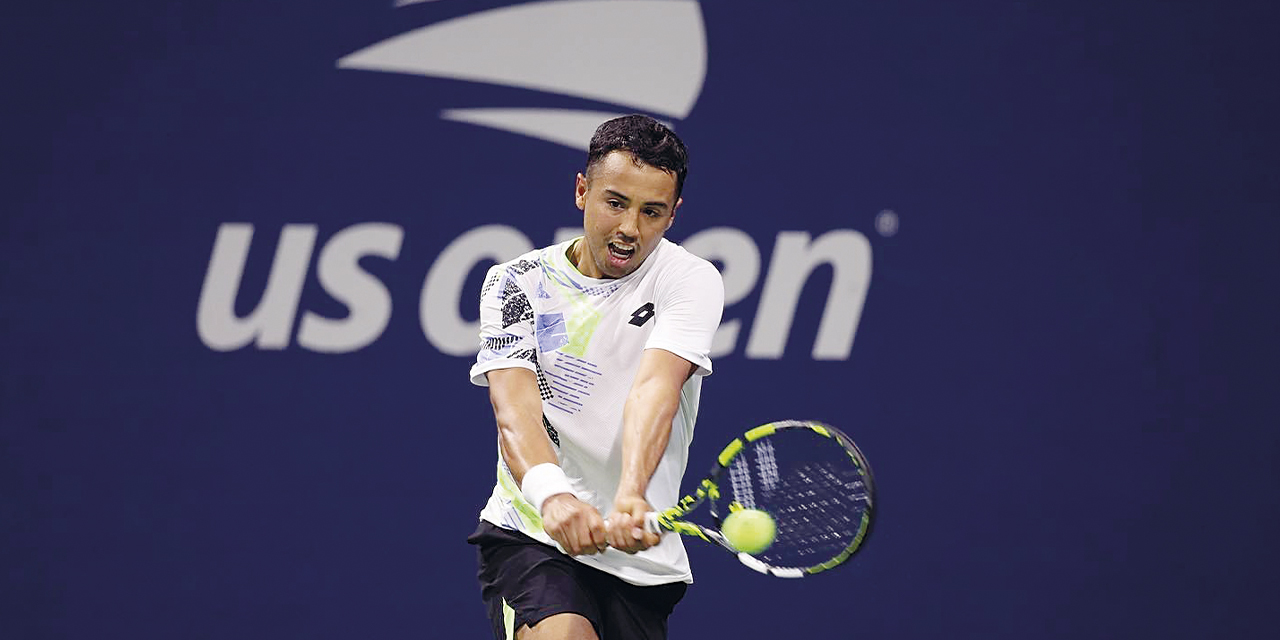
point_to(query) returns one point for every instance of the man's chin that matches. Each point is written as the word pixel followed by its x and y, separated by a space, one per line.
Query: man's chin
pixel 612 268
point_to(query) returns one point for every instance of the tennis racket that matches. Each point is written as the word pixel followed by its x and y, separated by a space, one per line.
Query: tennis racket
pixel 809 476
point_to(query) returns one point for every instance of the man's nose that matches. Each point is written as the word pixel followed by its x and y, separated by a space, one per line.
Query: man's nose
pixel 630 225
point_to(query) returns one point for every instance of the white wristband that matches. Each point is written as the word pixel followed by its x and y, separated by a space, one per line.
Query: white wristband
pixel 543 481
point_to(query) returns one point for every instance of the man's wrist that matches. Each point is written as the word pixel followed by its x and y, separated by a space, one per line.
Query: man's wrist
pixel 630 490
pixel 543 481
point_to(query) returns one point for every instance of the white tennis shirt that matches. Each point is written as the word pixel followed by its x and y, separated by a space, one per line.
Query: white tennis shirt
pixel 584 337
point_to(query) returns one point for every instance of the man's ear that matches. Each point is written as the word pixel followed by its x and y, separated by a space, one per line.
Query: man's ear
pixel 580 192
pixel 672 219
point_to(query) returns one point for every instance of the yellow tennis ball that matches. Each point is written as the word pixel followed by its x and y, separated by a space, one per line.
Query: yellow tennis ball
pixel 749 530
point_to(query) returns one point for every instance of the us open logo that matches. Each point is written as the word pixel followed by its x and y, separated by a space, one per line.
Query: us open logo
pixel 545 46
pixel 537 46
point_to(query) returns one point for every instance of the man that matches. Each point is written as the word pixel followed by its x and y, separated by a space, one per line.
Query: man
pixel 593 351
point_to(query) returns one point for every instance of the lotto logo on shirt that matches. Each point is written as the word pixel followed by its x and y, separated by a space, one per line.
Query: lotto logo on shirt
pixel 642 315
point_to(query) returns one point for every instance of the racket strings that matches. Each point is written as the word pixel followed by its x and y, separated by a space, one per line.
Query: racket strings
pixel 813 490
pixel 740 482
pixel 818 513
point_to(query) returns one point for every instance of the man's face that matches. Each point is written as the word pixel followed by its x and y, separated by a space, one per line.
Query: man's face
pixel 627 207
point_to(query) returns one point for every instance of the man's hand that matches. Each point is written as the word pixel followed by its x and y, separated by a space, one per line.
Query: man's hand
pixel 576 525
pixel 626 525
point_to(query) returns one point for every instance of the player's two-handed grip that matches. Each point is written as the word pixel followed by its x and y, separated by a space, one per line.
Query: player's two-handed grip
pixel 576 525
pixel 627 529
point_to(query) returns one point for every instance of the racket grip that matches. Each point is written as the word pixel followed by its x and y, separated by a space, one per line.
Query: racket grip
pixel 651 522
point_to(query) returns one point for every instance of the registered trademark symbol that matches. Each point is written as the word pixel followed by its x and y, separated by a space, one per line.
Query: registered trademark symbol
pixel 887 223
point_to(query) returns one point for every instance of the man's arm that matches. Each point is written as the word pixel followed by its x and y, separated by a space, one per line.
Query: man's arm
pixel 517 408
pixel 646 429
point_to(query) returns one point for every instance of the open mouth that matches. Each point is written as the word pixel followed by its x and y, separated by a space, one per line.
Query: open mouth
pixel 621 253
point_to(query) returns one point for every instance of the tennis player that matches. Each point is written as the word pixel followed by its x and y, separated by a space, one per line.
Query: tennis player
pixel 594 351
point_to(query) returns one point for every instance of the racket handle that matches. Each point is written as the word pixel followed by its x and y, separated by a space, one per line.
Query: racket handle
pixel 651 522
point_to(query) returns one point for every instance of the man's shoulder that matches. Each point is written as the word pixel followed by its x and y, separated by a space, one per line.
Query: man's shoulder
pixel 675 260
pixel 522 263
pixel 512 277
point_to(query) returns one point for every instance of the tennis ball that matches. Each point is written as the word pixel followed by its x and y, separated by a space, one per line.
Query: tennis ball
pixel 749 530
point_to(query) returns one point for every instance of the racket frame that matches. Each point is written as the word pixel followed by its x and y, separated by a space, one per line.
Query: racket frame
pixel 673 519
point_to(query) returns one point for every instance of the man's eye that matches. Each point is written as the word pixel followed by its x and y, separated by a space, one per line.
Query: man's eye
pixel 615 204
pixel 652 213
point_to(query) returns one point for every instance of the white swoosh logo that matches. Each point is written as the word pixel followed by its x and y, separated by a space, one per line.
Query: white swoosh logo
pixel 649 55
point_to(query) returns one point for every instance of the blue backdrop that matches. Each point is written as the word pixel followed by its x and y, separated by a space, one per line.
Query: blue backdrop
pixel 1017 250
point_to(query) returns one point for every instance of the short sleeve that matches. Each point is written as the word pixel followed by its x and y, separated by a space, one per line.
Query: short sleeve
pixel 687 314
pixel 506 324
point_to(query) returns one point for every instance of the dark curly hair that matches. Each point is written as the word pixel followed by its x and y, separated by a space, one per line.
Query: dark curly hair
pixel 647 140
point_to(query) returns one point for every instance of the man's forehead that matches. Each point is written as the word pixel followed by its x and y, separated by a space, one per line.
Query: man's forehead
pixel 620 159
pixel 623 164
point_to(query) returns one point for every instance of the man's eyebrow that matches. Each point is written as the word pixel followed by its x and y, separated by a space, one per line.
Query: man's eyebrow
pixel 655 203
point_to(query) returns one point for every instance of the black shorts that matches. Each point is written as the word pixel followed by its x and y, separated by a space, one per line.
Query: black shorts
pixel 526 581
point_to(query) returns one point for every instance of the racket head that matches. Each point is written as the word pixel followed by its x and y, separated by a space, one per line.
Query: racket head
pixel 809 476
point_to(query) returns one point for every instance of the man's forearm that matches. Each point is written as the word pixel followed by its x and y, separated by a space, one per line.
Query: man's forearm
pixel 647 429
pixel 517 408
pixel 647 418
